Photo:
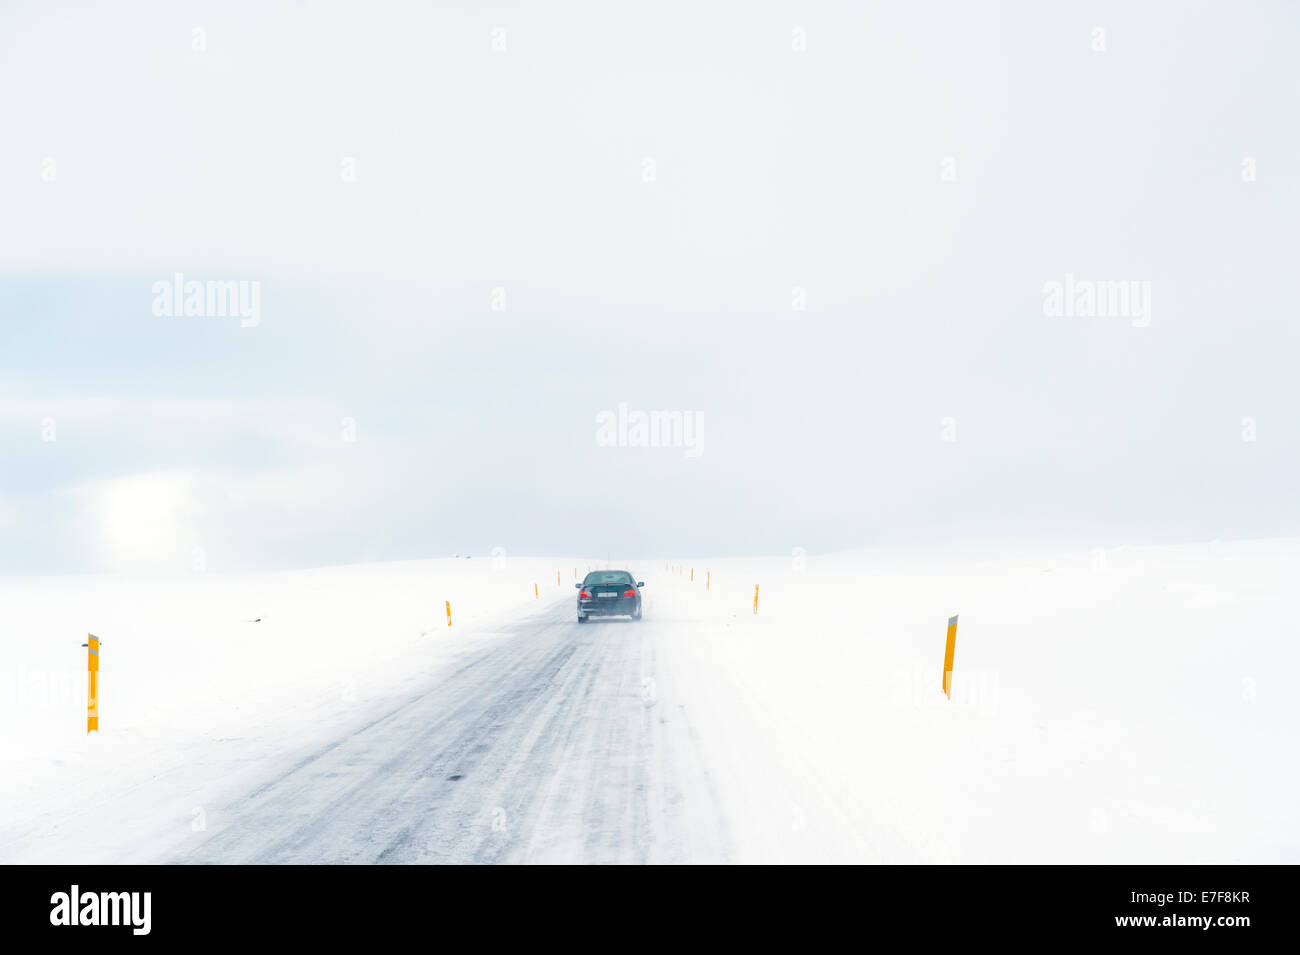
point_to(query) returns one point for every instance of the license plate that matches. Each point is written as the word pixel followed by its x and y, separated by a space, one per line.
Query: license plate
pixel 606 595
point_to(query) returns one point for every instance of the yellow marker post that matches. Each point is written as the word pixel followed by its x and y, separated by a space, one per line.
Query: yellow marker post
pixel 92 683
pixel 708 576
pixel 692 575
pixel 449 613
pixel 947 656
pixel 557 578
pixel 756 598
pixel 535 593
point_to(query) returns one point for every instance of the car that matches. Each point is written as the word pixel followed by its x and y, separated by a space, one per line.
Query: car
pixel 609 593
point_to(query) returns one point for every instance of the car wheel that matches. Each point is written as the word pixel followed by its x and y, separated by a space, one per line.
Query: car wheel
pixel 637 615
pixel 582 618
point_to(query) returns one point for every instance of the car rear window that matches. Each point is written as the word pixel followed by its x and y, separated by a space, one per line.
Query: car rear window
pixel 609 577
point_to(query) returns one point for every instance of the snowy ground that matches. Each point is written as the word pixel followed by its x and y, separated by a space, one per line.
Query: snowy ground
pixel 1130 705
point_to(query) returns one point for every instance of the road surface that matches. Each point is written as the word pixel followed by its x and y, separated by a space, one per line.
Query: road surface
pixel 558 742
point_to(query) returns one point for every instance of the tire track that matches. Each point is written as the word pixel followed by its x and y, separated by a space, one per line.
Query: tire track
pixel 542 747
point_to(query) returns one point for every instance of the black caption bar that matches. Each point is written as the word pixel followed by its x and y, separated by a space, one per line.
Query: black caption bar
pixel 318 904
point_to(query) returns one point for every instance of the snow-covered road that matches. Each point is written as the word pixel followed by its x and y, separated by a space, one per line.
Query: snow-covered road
pixel 1127 707
pixel 558 742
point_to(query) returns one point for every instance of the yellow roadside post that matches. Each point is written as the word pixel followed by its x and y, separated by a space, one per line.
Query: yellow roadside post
pixel 708 576
pixel 535 593
pixel 92 683
pixel 948 654
pixel 557 578
pixel 449 613
pixel 692 575
pixel 756 598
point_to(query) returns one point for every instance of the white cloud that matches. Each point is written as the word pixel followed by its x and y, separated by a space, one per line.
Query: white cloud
pixel 147 522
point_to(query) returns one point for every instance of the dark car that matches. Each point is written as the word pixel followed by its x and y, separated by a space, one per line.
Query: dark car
pixel 609 593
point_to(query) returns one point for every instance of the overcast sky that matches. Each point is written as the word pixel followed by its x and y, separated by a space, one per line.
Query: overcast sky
pixel 821 230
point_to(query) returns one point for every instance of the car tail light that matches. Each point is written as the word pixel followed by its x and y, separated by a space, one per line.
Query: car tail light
pixel 584 594
pixel 629 593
